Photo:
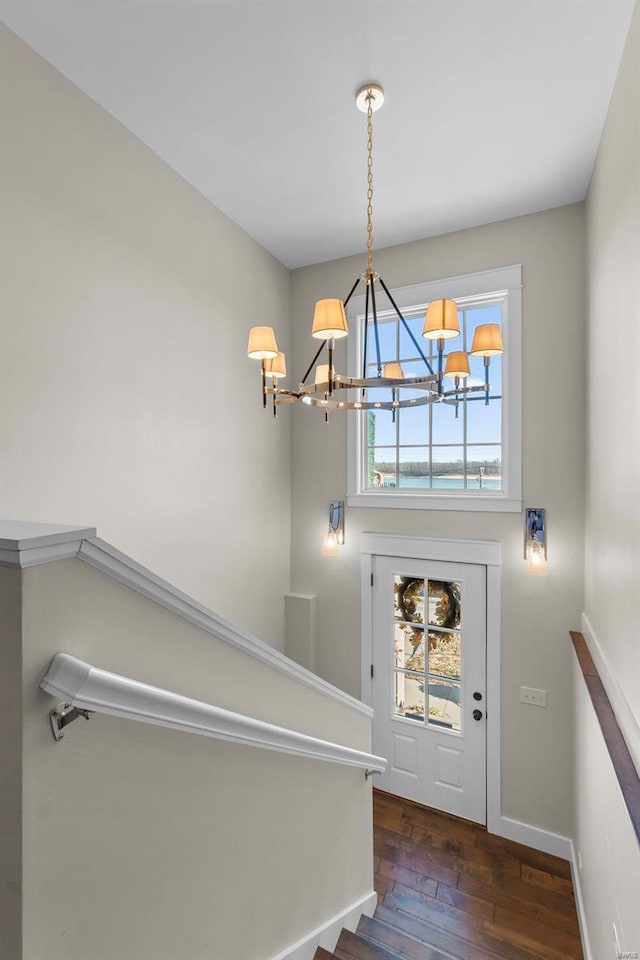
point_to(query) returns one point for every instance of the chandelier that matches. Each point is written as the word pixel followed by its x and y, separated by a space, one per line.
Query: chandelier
pixel 332 391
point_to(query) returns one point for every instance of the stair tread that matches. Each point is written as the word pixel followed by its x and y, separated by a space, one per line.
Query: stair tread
pixel 322 954
pixel 351 946
pixel 394 939
pixel 496 938
pixel 436 937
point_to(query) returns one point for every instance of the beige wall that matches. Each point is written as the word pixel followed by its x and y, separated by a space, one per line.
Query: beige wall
pixel 128 402
pixel 10 764
pixel 612 569
pixel 537 612
pixel 142 842
pixel 610 877
pixel 604 838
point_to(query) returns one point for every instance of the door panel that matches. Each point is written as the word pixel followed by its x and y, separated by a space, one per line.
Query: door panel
pixel 429 653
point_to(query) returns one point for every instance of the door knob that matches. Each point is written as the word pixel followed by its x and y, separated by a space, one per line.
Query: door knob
pixel 477 714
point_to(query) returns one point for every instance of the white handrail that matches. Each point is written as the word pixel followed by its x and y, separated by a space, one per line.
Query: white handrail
pixel 86 687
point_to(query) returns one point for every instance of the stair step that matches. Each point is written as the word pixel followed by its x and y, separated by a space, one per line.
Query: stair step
pixel 494 939
pixel 322 954
pixel 391 938
pixel 350 946
pixel 436 937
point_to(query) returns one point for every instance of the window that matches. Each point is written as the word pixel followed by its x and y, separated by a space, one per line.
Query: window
pixel 446 455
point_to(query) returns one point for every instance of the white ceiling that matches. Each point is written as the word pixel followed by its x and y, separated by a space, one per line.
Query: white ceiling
pixel 494 108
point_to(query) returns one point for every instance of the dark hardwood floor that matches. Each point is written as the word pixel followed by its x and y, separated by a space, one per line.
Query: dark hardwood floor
pixel 448 889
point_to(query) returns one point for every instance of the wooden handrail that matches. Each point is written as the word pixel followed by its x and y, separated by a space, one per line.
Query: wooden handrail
pixel 621 759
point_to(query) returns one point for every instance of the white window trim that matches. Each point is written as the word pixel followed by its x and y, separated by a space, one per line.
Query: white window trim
pixel 504 281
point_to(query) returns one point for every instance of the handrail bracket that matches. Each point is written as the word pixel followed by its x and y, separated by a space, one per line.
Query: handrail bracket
pixel 64 714
pixel 371 773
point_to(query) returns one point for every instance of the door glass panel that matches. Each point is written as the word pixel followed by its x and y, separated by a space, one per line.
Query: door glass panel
pixel 408 646
pixel 444 654
pixel 444 703
pixel 409 599
pixel 444 604
pixel 409 695
pixel 434 666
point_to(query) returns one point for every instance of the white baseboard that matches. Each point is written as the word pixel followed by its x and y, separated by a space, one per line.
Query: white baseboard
pixel 535 837
pixel 629 726
pixel 577 893
pixel 327 935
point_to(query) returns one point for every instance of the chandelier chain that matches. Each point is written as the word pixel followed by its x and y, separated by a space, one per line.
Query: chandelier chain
pixel 370 183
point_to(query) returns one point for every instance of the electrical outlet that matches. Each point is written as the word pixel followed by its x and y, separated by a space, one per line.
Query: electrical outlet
pixel 537 698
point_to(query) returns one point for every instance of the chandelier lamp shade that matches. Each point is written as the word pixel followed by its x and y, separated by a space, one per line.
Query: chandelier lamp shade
pixel 277 367
pixel 262 344
pixel 331 391
pixel 329 320
pixel 441 321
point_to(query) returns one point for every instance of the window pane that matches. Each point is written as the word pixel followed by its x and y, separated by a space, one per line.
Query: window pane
pixel 444 703
pixel 382 467
pixel 448 468
pixel 382 429
pixel 407 347
pixel 415 368
pixel 445 427
pixel 414 467
pixel 444 604
pixel 413 421
pixel 484 423
pixel 408 647
pixel 444 654
pixel 409 695
pixel 484 467
pixel 387 338
pixel 409 599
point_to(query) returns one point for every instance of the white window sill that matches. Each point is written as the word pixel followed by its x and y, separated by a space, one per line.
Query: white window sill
pixel 411 501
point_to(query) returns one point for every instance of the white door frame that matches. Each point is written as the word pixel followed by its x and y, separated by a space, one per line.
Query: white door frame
pixel 487 553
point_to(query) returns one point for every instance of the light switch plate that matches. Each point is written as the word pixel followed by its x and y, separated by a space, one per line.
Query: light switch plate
pixel 537 698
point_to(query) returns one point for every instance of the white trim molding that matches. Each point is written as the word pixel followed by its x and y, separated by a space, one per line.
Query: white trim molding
pixel 535 837
pixel 327 935
pixel 621 707
pixel 503 284
pixel 26 544
pixel 86 687
pixel 465 502
pixel 486 553
pixel 580 907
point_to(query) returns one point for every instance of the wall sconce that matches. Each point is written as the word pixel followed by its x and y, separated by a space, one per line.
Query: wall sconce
pixel 535 540
pixel 334 537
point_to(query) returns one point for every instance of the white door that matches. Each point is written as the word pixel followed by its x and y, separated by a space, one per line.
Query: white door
pixel 429 682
